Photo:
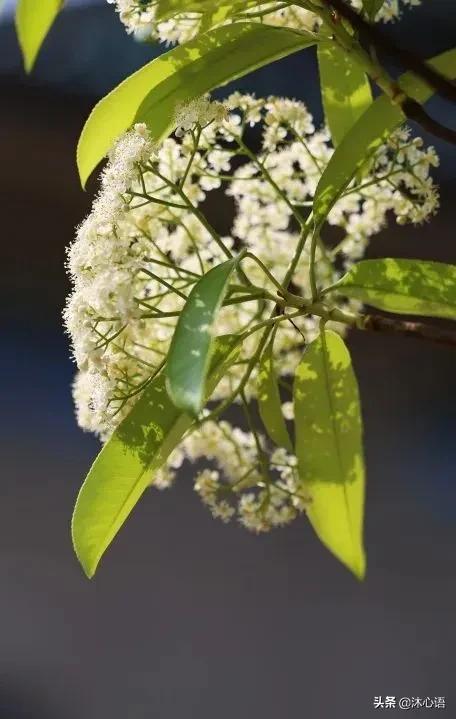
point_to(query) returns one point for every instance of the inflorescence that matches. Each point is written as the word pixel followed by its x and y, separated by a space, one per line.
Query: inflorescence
pixel 148 240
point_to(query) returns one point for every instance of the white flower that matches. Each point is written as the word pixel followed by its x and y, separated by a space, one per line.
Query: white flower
pixel 200 111
pixel 145 244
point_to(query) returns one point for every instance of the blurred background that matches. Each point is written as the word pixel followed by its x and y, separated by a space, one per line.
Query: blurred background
pixel 188 617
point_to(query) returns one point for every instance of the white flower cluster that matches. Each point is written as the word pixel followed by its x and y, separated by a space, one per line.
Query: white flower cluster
pixel 201 111
pixel 140 17
pixel 238 484
pixel 148 240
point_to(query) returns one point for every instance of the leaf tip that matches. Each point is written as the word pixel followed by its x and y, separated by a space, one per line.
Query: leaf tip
pixel 82 170
pixel 358 567
pixel 88 562
pixel 28 58
pixel 28 62
pixel 88 569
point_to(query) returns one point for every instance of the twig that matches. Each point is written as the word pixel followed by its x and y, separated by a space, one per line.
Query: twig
pixel 378 39
pixel 420 330
pixel 414 111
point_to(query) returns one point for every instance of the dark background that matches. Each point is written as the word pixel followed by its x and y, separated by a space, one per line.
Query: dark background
pixel 188 617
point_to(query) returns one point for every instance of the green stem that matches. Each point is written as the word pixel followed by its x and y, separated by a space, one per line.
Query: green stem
pixel 268 177
pixel 198 214
pixel 312 263
pixel 154 200
pixel 196 139
pixel 263 267
pixel 298 251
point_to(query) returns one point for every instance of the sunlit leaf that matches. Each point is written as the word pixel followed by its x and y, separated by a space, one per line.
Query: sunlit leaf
pixel 329 447
pixel 153 93
pixel 170 8
pixel 368 133
pixel 269 403
pixel 125 466
pixel 412 287
pixel 190 351
pixel 212 12
pixel 34 19
pixel 345 89
pixel 371 7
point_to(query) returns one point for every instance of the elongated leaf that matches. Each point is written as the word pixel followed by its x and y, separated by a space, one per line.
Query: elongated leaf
pixel 34 19
pixel 269 404
pixel 368 133
pixel 170 8
pixel 190 351
pixel 221 12
pixel 153 93
pixel 371 7
pixel 345 89
pixel 329 447
pixel 411 287
pixel 124 468
pixel 212 12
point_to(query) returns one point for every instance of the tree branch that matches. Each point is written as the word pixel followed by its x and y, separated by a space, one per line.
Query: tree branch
pixel 414 111
pixel 377 40
pixel 420 330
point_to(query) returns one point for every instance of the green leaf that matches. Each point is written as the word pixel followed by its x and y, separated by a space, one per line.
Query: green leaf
pixel 368 133
pixel 170 8
pixel 329 447
pixel 153 93
pixel 345 89
pixel 371 8
pixel 189 355
pixel 412 287
pixel 212 12
pixel 124 468
pixel 269 404
pixel 34 19
pixel 222 11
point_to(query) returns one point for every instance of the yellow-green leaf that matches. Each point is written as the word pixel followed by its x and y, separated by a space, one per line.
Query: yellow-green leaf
pixel 412 287
pixel 345 89
pixel 368 133
pixel 269 403
pixel 212 12
pixel 34 19
pixel 153 93
pixel 125 466
pixel 170 8
pixel 329 447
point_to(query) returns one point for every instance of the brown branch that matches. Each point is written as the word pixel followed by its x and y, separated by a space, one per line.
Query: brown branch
pixel 414 111
pixel 420 330
pixel 378 39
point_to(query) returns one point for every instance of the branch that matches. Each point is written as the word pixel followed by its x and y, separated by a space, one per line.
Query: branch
pixel 379 41
pixel 414 111
pixel 420 330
